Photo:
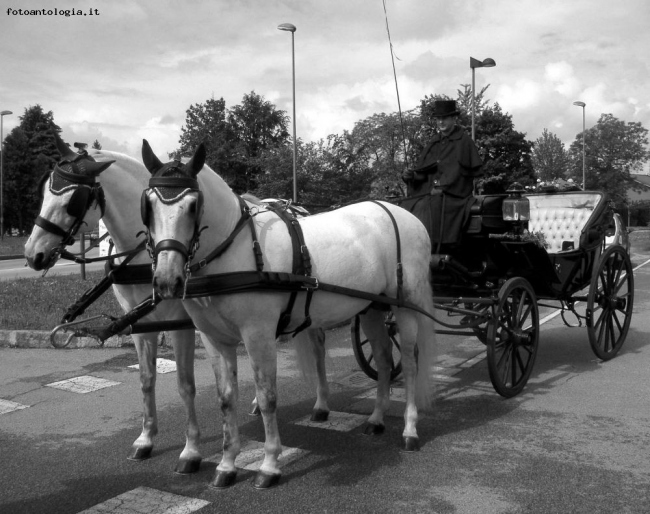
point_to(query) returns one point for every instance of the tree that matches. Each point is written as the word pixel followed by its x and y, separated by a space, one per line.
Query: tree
pixel 614 149
pixel 505 152
pixel 549 158
pixel 97 145
pixel 324 176
pixel 30 152
pixel 235 139
pixel 254 126
pixel 206 123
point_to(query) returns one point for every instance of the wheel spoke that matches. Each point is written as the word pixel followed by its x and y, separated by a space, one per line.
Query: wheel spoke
pixel 618 323
pixel 600 318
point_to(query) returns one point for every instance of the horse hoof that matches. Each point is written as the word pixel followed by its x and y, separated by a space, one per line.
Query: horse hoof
pixel 374 428
pixel 141 453
pixel 320 415
pixel 224 479
pixel 411 444
pixel 186 467
pixel 255 411
pixel 265 480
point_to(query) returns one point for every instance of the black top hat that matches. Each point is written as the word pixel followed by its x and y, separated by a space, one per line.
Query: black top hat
pixel 442 108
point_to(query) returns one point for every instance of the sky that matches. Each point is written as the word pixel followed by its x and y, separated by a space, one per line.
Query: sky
pixel 131 69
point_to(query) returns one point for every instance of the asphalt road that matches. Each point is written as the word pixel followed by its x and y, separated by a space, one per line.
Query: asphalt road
pixel 575 440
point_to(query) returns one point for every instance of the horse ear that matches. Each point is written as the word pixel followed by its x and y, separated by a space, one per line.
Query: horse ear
pixel 151 162
pixel 62 147
pixel 96 168
pixel 197 161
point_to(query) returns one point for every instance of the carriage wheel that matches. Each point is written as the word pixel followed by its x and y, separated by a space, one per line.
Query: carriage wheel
pixel 610 302
pixel 513 336
pixel 363 350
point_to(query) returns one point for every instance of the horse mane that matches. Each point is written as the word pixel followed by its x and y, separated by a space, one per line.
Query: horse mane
pixel 251 198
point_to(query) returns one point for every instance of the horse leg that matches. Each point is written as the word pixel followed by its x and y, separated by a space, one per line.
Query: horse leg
pixel 310 350
pixel 408 329
pixel 262 352
pixel 146 346
pixel 183 344
pixel 372 323
pixel 223 358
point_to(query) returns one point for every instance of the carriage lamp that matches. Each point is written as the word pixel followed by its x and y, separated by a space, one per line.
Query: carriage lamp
pixel 516 207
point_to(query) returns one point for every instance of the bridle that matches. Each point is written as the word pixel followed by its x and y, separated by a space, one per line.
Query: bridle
pixel 171 189
pixel 86 191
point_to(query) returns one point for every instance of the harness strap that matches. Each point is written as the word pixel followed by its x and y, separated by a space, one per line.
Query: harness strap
pixel 245 217
pixel 400 280
pixel 47 225
pixel 93 293
pixel 301 266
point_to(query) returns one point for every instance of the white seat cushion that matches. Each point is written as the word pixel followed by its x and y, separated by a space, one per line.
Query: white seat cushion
pixel 561 217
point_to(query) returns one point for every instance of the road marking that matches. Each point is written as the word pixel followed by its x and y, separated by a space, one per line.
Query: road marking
pixel 7 406
pixel 252 456
pixel 151 501
pixel 162 366
pixel 82 385
pixel 339 421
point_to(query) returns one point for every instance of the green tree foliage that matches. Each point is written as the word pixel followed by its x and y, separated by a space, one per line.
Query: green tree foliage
pixel 325 174
pixel 96 145
pixel 383 146
pixel 505 152
pixel 30 151
pixel 255 126
pixel 235 138
pixel 549 158
pixel 614 149
pixel 206 123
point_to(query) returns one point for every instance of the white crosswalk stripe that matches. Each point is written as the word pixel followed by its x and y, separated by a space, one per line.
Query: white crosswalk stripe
pixel 82 385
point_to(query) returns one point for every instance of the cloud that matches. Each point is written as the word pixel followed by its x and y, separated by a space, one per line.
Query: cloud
pixel 560 75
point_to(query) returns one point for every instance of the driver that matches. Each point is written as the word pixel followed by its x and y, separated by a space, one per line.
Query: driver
pixel 440 186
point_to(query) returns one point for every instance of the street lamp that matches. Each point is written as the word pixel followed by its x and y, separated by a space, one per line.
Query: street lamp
pixel 584 162
pixel 288 27
pixel 475 63
pixel 2 158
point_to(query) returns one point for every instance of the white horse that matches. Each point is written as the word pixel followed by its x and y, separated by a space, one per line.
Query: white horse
pixel 122 185
pixel 355 247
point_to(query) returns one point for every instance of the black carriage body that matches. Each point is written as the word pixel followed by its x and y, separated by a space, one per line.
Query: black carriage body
pixel 573 224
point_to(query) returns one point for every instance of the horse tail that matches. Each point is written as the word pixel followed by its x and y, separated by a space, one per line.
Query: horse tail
pixel 426 347
pixel 310 350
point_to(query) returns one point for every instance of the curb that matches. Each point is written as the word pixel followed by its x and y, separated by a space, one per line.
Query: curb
pixel 11 257
pixel 40 339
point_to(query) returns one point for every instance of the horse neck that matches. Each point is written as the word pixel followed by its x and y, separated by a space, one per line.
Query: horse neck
pixel 123 183
pixel 222 209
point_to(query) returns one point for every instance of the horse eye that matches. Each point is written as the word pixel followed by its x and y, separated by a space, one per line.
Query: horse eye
pixel 193 207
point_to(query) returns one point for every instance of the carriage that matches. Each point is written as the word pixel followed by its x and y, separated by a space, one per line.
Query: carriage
pixel 325 269
pixel 521 252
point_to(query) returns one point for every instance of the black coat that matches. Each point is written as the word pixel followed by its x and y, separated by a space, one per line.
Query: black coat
pixel 446 170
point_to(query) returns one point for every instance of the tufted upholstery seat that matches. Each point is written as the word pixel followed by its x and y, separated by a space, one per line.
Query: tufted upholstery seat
pixel 562 217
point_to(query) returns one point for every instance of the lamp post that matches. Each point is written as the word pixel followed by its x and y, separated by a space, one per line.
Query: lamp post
pixel 2 158
pixel 584 162
pixel 288 27
pixel 475 63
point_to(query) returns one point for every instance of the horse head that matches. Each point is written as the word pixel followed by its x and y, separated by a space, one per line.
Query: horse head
pixel 171 210
pixel 73 201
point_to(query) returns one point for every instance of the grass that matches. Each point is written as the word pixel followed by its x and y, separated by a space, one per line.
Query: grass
pixel 13 245
pixel 39 303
